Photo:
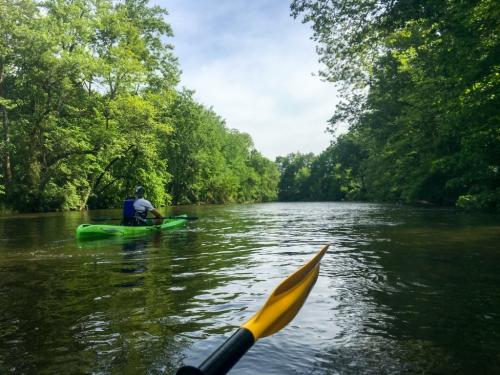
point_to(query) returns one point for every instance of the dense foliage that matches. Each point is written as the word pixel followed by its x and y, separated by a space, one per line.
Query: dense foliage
pixel 335 174
pixel 211 163
pixel 90 107
pixel 421 96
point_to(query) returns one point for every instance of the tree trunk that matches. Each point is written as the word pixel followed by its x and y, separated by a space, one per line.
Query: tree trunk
pixel 7 171
pixel 93 189
pixel 84 206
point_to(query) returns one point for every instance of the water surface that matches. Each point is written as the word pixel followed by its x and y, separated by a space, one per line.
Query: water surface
pixel 401 291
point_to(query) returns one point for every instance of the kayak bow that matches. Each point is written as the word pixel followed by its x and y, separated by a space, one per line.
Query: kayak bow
pixel 279 310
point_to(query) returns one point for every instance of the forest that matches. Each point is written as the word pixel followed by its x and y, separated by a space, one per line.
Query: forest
pixel 420 96
pixel 91 107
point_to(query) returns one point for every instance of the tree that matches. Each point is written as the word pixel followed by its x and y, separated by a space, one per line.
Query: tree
pixel 295 170
pixel 211 163
pixel 15 30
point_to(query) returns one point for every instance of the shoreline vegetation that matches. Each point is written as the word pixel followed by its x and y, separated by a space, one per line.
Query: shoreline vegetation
pixel 420 83
pixel 90 106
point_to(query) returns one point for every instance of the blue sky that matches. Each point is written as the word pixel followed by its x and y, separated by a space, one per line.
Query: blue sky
pixel 254 64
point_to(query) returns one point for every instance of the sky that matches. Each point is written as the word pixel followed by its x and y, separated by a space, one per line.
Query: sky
pixel 254 65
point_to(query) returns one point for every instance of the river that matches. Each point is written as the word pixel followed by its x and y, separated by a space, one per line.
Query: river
pixel 401 291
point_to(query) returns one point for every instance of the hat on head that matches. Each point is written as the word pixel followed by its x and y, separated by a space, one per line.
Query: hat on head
pixel 139 190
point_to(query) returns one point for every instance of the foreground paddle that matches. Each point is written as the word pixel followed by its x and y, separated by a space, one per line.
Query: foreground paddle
pixel 279 310
pixel 163 217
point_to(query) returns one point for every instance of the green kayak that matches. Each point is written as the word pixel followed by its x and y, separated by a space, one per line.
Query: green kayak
pixel 106 230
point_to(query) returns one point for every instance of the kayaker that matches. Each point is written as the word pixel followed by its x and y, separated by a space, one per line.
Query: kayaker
pixel 142 207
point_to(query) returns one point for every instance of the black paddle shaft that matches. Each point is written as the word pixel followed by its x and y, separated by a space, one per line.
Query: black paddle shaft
pixel 163 217
pixel 225 357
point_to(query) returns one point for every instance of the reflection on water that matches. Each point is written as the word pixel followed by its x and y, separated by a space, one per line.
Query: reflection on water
pixel 401 290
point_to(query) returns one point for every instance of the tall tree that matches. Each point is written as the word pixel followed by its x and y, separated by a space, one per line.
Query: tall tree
pixel 15 29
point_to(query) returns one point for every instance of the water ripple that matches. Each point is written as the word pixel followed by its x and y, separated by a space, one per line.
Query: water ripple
pixel 400 291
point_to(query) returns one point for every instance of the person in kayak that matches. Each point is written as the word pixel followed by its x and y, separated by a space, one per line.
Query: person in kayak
pixel 142 207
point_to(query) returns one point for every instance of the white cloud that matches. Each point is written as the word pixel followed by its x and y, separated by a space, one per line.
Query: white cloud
pixel 253 63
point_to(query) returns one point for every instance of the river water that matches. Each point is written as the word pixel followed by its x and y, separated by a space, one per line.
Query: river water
pixel 401 291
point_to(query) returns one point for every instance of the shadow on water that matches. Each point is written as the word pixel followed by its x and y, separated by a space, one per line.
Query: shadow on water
pixel 134 262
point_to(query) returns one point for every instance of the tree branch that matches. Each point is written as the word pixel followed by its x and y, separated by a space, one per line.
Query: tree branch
pixel 53 160
pixel 108 167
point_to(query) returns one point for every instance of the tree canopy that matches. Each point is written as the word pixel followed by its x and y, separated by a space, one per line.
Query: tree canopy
pixel 421 97
pixel 90 107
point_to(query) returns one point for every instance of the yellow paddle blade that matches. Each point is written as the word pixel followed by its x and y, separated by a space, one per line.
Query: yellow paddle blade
pixel 286 300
